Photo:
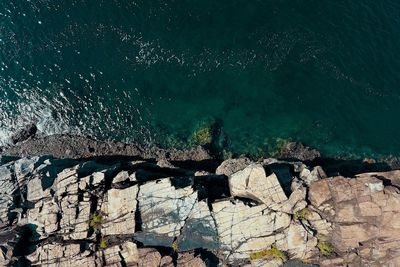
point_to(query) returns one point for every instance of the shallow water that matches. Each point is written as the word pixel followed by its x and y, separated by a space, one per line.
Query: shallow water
pixel 321 72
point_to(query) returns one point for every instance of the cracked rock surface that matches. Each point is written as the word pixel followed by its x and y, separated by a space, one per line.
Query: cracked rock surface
pixel 117 212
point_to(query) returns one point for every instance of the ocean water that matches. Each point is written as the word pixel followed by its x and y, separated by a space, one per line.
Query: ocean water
pixel 325 73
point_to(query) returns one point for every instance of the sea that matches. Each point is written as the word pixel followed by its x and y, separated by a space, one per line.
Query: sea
pixel 322 72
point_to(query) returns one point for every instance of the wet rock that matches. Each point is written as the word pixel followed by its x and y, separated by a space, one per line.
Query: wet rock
pixel 75 147
pixel 25 133
pixel 295 150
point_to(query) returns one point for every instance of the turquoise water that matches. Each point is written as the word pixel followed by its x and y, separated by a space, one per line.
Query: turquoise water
pixel 322 72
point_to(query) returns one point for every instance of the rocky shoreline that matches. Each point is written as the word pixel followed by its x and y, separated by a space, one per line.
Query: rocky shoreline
pixel 113 204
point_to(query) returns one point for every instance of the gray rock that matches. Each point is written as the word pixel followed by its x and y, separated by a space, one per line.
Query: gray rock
pixel 230 166
pixel 164 210
pixel 25 133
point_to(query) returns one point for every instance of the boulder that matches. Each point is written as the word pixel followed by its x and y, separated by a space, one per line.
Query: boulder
pixel 253 183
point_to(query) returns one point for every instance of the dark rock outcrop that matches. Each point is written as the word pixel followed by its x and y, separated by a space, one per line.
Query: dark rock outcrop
pixel 296 150
pixel 25 133
pixel 76 147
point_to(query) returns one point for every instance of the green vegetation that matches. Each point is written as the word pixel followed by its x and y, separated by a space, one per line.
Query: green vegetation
pixel 226 154
pixel 324 247
pixel 302 214
pixel 175 246
pixel 273 252
pixel 202 135
pixel 95 220
pixel 103 244
pixel 280 143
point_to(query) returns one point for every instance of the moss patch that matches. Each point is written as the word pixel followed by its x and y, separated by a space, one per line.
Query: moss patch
pixel 175 246
pixel 324 247
pixel 103 244
pixel 302 214
pixel 202 135
pixel 95 220
pixel 273 252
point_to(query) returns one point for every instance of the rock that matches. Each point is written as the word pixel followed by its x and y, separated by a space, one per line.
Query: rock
pixel 164 210
pixel 243 230
pixel 267 262
pixel 230 166
pixel 78 147
pixel 25 133
pixel 199 230
pixel 362 213
pixel 392 177
pixel 9 188
pixel 45 216
pixel 300 243
pixel 317 173
pixel 61 255
pixel 295 150
pixel 296 199
pixel 149 257
pixel 67 209
pixel 189 259
pixel 129 253
pixel 119 211
pixel 121 177
pixel 319 193
pixel 97 178
pixel 253 183
pixel 125 254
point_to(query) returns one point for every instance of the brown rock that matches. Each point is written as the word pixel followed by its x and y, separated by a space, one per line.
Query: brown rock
pixel 149 257
pixel 361 214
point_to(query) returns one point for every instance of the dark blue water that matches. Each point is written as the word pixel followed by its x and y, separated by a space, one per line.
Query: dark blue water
pixel 322 72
